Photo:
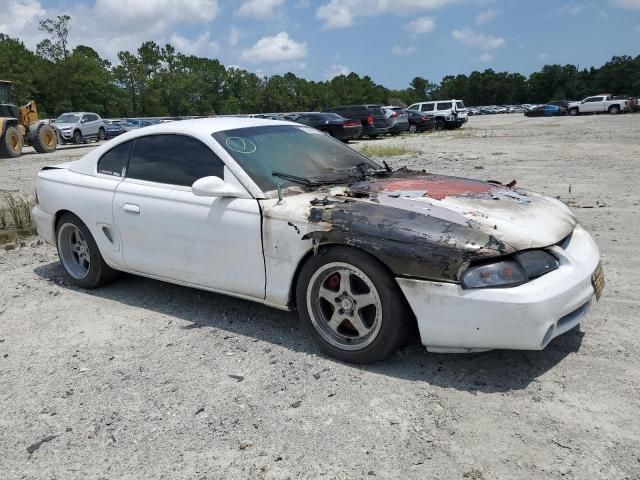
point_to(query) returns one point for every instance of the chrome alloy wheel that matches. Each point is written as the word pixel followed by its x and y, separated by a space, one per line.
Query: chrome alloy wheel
pixel 74 251
pixel 344 306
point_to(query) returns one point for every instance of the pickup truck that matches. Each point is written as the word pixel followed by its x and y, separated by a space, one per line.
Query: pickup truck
pixel 598 104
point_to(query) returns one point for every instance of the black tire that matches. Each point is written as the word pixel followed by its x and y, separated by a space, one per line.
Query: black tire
pixel 574 112
pixel 77 137
pixel 102 135
pixel 394 321
pixel 440 124
pixel 372 137
pixel 44 139
pixel 98 272
pixel 614 109
pixel 413 128
pixel 11 143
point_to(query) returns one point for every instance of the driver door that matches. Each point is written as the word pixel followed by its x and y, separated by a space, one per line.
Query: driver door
pixel 168 232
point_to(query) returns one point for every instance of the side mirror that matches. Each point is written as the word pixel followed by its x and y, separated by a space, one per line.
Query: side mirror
pixel 215 187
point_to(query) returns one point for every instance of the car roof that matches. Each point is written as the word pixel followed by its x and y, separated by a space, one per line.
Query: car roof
pixel 201 128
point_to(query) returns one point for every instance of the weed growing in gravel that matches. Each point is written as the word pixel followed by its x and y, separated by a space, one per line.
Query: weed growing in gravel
pixel 15 218
pixel 386 151
pixel 19 211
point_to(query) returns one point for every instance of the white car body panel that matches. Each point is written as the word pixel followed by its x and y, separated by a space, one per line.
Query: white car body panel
pixel 252 246
pixel 169 232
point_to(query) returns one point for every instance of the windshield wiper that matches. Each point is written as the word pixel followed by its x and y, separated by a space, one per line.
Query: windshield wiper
pixel 294 178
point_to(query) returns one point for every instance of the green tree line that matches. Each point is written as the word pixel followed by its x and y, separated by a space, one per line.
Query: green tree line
pixel 158 80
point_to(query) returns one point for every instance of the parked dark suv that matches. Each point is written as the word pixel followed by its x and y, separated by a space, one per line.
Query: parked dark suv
pixel 372 117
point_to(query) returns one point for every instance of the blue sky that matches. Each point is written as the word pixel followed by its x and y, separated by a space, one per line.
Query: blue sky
pixel 390 40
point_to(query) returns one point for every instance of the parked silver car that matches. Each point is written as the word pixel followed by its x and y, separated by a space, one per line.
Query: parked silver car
pixel 78 127
pixel 397 119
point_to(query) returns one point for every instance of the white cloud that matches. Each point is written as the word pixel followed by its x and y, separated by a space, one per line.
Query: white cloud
pixel 571 8
pixel 260 9
pixel 543 56
pixel 477 40
pixel 19 15
pixel 337 70
pixel 400 50
pixel 201 46
pixel 421 25
pixel 486 57
pixel 630 4
pixel 235 35
pixel 341 13
pixel 109 27
pixel 279 48
pixel 159 14
pixel 486 16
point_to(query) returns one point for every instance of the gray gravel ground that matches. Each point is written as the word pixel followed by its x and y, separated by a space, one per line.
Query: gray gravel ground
pixel 143 379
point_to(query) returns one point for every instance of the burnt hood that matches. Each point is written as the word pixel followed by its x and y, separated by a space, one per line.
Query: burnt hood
pixel 519 218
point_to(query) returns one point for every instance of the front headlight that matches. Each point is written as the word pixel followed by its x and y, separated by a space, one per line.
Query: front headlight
pixel 501 274
pixel 519 269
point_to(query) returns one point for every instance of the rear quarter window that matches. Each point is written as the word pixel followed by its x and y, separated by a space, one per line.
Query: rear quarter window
pixel 115 160
pixel 427 107
pixel 444 106
pixel 376 111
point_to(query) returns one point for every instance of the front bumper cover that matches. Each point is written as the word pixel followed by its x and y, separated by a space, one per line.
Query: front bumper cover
pixel 526 317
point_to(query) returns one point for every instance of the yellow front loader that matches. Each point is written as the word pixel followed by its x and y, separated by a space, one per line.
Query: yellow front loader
pixel 20 126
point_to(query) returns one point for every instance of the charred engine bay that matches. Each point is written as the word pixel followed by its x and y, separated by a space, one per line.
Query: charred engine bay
pixel 413 239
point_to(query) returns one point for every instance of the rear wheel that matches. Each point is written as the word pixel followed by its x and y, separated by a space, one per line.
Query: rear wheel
pixel 80 255
pixel 614 109
pixel 44 139
pixel 11 143
pixel 413 128
pixel 350 305
pixel 373 136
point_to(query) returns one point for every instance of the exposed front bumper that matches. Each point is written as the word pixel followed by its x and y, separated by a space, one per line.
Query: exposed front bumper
pixel 45 224
pixel 526 317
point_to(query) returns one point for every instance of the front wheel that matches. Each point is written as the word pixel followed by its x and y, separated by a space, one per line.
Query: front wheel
pixel 11 143
pixel 573 112
pixel 79 254
pixel 77 137
pixel 102 135
pixel 440 124
pixel 350 305
pixel 413 128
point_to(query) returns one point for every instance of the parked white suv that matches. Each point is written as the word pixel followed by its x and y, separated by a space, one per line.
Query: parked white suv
pixel 598 104
pixel 448 113
pixel 78 127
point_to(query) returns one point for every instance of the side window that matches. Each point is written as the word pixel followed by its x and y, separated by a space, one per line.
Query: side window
pixel 444 106
pixel 115 160
pixel 593 99
pixel 307 120
pixel 173 159
pixel 427 107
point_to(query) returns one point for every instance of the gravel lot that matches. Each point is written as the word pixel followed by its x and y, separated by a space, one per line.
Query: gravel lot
pixel 143 379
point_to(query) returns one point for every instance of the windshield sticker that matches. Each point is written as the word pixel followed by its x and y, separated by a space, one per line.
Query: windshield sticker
pixel 241 145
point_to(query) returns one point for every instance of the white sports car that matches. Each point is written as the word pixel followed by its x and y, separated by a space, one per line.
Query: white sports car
pixel 281 214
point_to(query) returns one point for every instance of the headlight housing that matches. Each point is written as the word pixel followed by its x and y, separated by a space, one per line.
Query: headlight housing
pixel 510 272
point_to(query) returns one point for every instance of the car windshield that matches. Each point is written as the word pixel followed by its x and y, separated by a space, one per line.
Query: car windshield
pixel 295 151
pixel 459 104
pixel 68 118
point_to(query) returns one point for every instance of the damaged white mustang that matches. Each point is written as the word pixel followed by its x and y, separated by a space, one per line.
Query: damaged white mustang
pixel 282 214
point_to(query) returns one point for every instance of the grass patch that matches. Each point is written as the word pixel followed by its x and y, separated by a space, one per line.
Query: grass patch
pixel 15 218
pixel 386 151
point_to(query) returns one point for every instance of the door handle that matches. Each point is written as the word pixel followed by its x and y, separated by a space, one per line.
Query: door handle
pixel 128 207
